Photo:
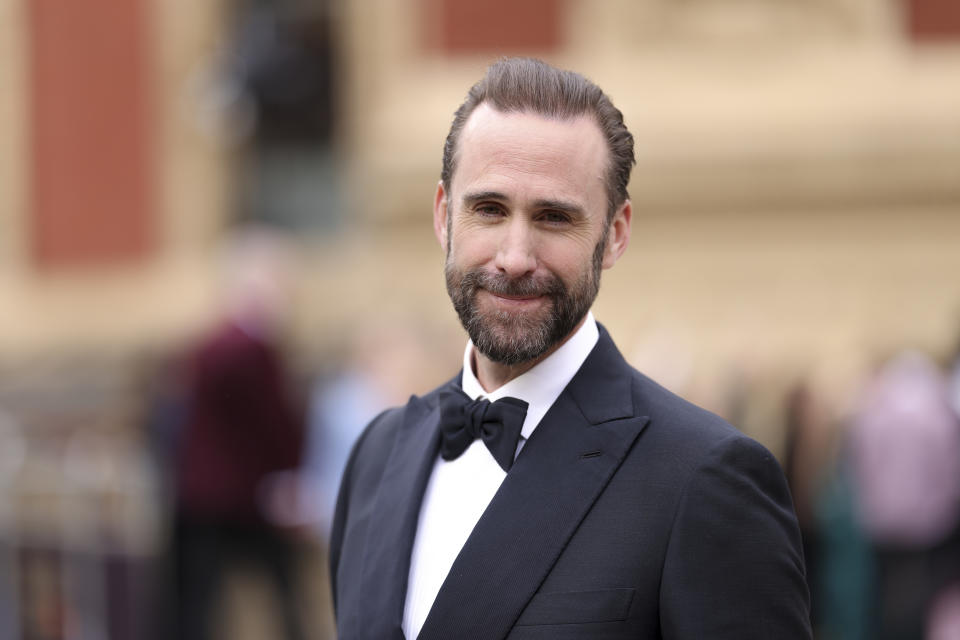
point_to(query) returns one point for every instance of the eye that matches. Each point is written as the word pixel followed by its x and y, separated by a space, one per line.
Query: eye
pixel 489 209
pixel 553 216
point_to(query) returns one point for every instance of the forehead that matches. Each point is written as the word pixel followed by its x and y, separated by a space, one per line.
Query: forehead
pixel 530 154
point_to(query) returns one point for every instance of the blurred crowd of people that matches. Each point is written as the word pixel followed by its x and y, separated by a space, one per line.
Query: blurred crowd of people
pixel 879 502
pixel 247 458
pixel 876 481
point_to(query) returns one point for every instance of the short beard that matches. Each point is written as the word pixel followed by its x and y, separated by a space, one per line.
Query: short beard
pixel 512 339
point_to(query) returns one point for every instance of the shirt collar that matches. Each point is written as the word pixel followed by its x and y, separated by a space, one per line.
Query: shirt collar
pixel 540 386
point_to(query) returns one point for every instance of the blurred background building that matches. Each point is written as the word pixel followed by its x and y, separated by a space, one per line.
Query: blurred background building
pixel 797 224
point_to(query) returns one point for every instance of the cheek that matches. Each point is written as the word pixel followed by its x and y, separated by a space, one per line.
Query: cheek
pixel 569 259
pixel 472 248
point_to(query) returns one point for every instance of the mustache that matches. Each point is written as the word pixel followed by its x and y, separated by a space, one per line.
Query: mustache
pixel 525 286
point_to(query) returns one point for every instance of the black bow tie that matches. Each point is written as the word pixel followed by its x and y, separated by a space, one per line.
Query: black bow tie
pixel 463 420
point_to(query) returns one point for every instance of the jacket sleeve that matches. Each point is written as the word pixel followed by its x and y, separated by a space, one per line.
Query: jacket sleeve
pixel 734 563
pixel 341 511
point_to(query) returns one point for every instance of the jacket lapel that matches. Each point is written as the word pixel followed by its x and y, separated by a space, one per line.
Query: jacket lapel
pixel 397 505
pixel 557 477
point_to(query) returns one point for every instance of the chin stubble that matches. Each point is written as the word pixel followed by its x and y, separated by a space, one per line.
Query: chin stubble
pixel 515 338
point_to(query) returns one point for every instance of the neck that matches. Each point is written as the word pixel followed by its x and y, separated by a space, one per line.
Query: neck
pixel 493 375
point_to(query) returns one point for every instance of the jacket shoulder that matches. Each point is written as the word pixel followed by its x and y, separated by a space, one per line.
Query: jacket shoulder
pixel 377 438
pixel 733 537
pixel 695 432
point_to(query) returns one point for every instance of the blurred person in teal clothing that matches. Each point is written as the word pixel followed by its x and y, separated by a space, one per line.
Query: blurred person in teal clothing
pixel 889 516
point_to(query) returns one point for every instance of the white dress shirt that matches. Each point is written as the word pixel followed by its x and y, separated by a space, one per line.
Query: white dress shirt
pixel 459 491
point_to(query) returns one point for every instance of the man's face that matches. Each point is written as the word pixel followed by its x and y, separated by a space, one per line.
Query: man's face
pixel 524 228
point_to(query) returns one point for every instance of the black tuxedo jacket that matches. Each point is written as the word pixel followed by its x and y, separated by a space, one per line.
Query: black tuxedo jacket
pixel 629 513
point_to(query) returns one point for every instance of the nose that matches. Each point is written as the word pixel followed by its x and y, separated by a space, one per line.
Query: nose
pixel 515 256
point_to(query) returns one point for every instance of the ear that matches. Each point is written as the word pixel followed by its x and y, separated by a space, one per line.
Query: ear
pixel 619 235
pixel 440 216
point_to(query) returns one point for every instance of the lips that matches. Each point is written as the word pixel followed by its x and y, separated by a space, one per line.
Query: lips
pixel 515 298
pixel 514 302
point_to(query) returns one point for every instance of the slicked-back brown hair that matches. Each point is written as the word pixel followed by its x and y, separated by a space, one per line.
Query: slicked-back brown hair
pixel 532 86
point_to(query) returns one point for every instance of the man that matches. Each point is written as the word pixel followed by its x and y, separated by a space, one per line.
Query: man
pixel 620 510
pixel 241 428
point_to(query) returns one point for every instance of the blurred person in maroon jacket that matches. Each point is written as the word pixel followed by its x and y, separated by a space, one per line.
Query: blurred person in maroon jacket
pixel 241 427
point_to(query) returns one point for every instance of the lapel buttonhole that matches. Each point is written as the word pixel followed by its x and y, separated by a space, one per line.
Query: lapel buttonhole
pixel 590 454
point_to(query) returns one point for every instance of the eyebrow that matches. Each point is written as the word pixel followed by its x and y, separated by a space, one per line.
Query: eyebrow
pixel 558 205
pixel 478 196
